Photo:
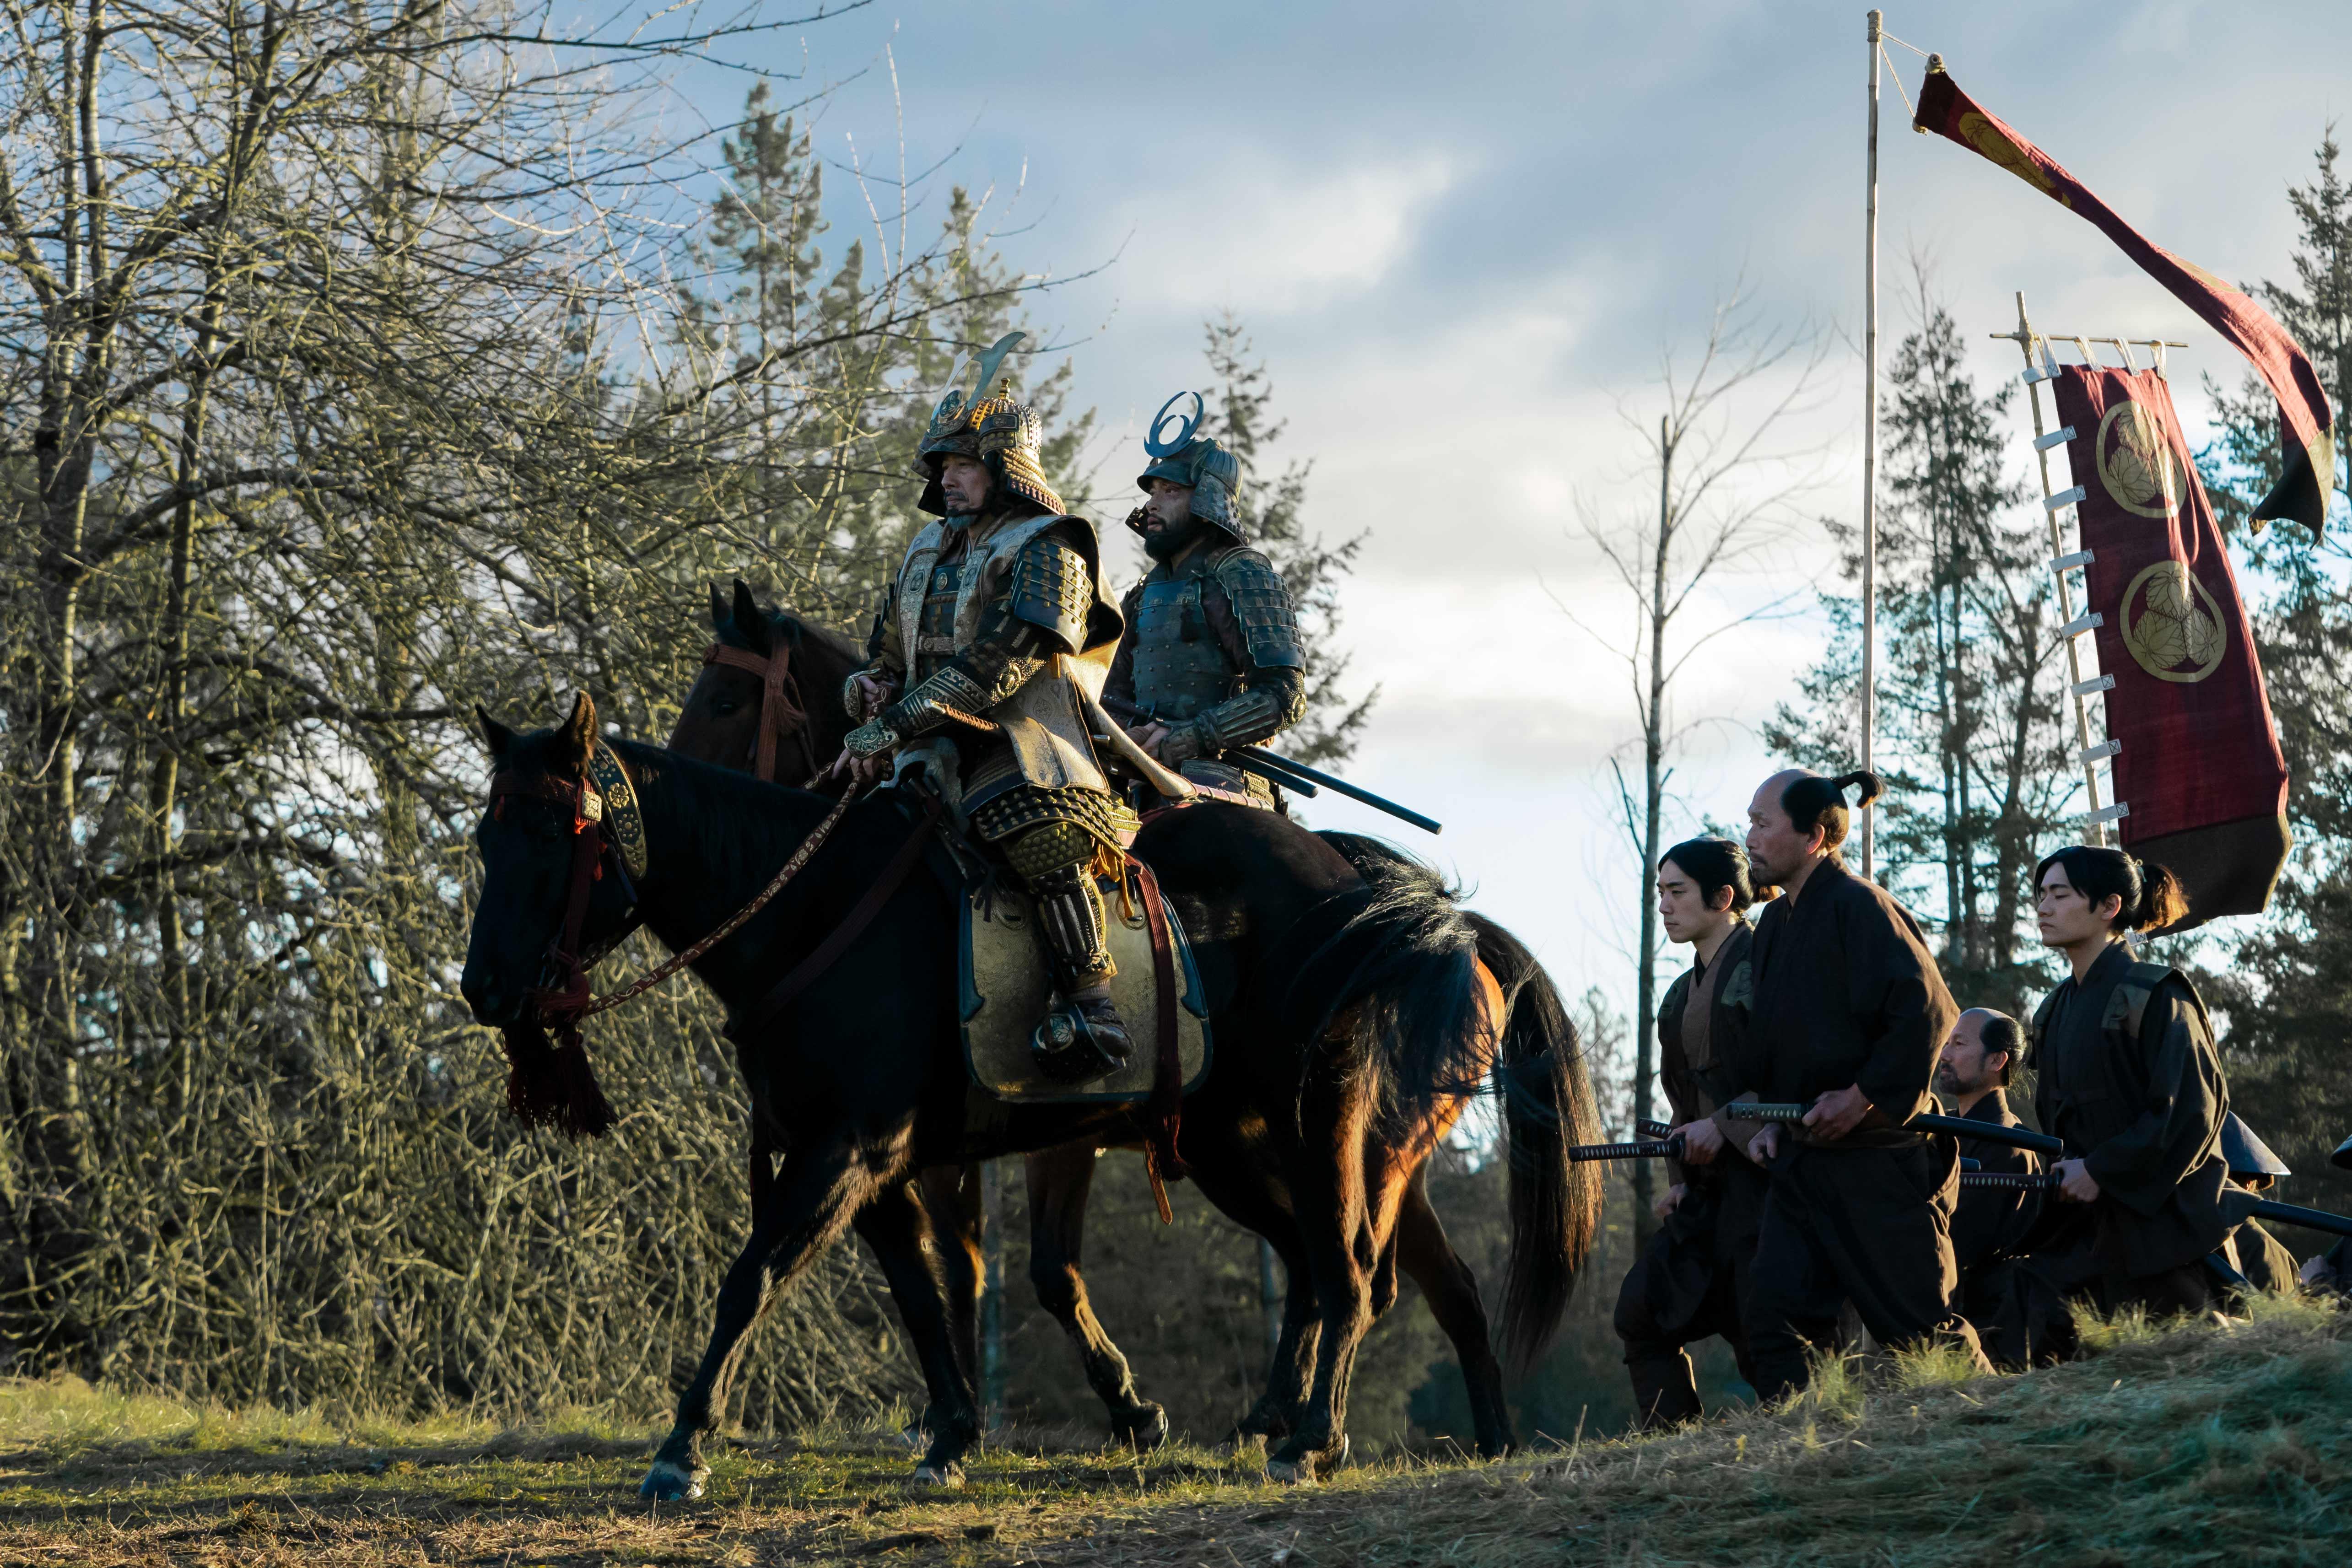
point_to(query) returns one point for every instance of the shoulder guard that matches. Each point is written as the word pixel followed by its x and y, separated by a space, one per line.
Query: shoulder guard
pixel 1051 588
pixel 1262 605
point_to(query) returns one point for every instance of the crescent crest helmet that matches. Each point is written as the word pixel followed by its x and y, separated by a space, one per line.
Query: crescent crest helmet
pixel 996 429
pixel 1213 474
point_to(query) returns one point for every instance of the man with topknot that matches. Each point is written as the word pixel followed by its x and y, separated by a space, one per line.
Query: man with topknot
pixel 1849 1015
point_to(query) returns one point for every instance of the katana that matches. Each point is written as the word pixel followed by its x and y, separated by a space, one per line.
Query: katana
pixel 1296 775
pixel 1649 1149
pixel 2030 1181
pixel 1990 1132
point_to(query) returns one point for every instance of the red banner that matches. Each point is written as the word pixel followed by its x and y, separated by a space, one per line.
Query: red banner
pixel 2199 766
pixel 2307 426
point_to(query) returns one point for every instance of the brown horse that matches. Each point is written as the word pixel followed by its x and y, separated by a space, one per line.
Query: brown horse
pixel 1352 1011
pixel 728 717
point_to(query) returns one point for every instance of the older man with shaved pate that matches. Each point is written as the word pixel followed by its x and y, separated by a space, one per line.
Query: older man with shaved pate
pixel 1990 1224
pixel 1849 1015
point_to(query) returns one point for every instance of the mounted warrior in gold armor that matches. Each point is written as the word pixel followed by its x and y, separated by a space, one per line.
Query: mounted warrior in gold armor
pixel 998 608
pixel 1211 654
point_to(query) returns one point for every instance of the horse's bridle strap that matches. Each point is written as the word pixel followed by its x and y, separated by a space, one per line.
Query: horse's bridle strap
pixel 778 710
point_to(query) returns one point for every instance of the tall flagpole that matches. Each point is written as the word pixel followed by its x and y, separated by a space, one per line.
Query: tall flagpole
pixel 1870 452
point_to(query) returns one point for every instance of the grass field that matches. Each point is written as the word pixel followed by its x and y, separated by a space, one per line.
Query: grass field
pixel 2229 1445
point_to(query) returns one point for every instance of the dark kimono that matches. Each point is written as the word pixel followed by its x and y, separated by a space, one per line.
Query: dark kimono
pixel 1991 1225
pixel 1847 993
pixel 2142 1109
pixel 1689 1282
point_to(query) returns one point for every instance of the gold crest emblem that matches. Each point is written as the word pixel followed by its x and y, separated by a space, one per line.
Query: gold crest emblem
pixel 2172 624
pixel 2136 462
pixel 1987 138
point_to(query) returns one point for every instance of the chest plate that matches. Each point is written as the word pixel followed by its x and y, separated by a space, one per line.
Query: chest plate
pixel 1180 668
pixel 935 641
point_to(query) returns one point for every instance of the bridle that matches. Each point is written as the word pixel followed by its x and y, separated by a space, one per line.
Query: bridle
pixel 780 708
pixel 607 829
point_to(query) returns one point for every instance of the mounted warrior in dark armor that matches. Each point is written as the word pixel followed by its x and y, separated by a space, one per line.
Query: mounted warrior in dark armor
pixel 997 610
pixel 1211 653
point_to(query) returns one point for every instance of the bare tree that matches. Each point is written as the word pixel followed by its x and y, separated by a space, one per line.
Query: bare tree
pixel 345 383
pixel 1727 487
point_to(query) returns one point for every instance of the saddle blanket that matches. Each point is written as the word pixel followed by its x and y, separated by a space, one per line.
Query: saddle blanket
pixel 1007 986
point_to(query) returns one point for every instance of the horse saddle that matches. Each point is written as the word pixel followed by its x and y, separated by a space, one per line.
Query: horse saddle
pixel 1005 988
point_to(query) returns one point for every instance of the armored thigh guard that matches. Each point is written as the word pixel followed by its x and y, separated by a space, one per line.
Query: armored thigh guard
pixel 1056 840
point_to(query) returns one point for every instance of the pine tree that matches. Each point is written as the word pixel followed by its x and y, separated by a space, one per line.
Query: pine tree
pixel 1272 518
pixel 2286 995
pixel 1968 733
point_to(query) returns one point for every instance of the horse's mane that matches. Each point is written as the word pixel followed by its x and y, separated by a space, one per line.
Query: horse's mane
pixel 724 817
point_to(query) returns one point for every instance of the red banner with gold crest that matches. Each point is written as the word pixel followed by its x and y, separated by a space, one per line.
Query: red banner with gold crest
pixel 2307 426
pixel 2200 768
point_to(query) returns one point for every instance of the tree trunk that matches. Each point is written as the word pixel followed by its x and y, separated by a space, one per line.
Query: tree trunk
pixel 1654 784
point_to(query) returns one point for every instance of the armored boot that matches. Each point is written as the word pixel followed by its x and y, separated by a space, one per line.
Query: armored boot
pixel 1084 1037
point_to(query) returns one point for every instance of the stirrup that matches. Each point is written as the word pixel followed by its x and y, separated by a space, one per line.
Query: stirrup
pixel 1078 1042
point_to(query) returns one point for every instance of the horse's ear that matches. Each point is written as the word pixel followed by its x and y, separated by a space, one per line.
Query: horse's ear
pixel 749 621
pixel 718 610
pixel 497 737
pixel 578 734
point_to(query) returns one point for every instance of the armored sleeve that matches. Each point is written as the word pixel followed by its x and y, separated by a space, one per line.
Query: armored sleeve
pixel 1051 588
pixel 1249 609
pixel 1261 607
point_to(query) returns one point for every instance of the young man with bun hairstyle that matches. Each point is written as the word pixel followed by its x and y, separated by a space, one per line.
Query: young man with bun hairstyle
pixel 2127 1075
pixel 1689 1282
pixel 1849 1015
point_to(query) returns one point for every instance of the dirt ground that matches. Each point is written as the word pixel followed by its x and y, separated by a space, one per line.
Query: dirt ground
pixel 2228 1443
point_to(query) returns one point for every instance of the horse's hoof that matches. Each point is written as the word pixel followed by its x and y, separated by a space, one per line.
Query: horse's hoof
pixel 667 1483
pixel 1144 1428
pixel 949 1476
pixel 1299 1472
pixel 1305 1467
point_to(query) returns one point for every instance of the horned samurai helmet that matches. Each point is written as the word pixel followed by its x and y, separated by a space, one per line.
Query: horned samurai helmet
pixel 1213 474
pixel 993 428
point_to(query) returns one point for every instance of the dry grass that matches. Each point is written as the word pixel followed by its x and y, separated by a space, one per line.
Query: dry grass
pixel 2211 1444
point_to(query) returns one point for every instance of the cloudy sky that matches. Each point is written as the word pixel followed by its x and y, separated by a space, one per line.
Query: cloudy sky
pixel 1463 237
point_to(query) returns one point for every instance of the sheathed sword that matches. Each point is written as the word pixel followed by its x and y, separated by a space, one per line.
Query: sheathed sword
pixel 1646 1149
pixel 1296 775
pixel 2243 1204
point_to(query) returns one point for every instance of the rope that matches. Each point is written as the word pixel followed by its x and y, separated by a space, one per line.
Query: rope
pixel 792 868
pixel 1886 37
pixel 1896 77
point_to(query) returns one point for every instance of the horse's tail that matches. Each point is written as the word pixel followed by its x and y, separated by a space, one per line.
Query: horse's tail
pixel 1540 1070
pixel 1548 1104
pixel 1390 985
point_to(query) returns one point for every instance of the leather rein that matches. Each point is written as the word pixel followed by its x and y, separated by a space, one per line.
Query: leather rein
pixel 606 829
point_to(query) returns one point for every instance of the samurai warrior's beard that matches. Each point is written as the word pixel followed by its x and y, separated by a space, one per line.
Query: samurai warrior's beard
pixel 1174 539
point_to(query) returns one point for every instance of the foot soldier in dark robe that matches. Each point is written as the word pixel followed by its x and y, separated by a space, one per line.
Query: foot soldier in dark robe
pixel 1850 1015
pixel 998 608
pixel 1689 1282
pixel 1211 650
pixel 1990 1227
pixel 2127 1075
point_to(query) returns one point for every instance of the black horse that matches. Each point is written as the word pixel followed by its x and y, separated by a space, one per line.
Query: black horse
pixel 723 720
pixel 1351 1017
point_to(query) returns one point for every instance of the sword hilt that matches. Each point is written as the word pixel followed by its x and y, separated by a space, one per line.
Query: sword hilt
pixel 1648 1149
